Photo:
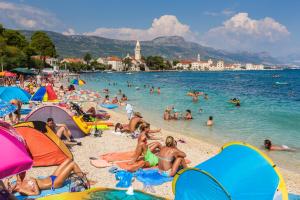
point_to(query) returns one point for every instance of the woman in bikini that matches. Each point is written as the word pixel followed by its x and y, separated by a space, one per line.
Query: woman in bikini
pixel 143 149
pixel 33 186
pixel 171 159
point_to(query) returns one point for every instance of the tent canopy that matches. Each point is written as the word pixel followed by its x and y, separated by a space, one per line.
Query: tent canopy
pixel 239 171
pixel 44 93
pixel 44 145
pixel 59 115
pixel 24 71
pixel 9 93
pixel 14 157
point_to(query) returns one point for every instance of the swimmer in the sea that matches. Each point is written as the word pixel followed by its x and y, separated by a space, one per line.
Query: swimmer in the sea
pixel 269 146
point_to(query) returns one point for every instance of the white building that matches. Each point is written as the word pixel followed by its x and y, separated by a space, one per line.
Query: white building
pixel 201 65
pixel 115 63
pixel 183 65
pixel 250 66
pixel 102 61
pixel 218 67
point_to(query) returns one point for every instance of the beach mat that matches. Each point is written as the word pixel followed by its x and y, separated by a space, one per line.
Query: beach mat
pixel 121 159
pixel 151 177
pixel 64 188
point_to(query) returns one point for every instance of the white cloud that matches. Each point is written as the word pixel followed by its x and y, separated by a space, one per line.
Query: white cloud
pixel 240 32
pixel 70 31
pixel 225 12
pixel 166 25
pixel 24 16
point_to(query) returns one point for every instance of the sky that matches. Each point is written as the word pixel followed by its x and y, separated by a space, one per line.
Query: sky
pixel 245 25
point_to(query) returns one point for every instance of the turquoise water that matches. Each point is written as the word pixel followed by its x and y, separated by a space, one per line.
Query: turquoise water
pixel 121 195
pixel 268 110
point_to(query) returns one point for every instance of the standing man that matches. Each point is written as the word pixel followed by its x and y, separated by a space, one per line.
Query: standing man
pixel 129 110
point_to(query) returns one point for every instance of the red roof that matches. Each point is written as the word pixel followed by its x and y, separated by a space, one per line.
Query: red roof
pixel 114 58
pixel 185 62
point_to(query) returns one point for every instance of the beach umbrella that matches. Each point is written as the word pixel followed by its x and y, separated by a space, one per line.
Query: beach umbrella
pixel 6 108
pixel 78 82
pixel 24 71
pixel 9 93
pixel 7 74
pixel 14 157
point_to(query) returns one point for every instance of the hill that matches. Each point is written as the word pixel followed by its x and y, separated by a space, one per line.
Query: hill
pixel 171 47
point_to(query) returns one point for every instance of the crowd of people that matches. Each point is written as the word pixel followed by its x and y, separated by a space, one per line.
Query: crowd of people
pixel 167 157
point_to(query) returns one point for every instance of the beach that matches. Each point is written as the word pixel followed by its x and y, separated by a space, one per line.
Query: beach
pixel 197 151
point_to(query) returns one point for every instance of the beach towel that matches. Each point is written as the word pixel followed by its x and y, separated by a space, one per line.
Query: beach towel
pixel 64 188
pixel 121 159
pixel 151 177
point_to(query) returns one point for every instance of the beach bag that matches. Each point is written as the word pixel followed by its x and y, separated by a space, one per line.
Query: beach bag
pixel 78 183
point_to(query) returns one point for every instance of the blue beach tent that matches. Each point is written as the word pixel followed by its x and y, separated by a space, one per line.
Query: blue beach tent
pixel 239 172
pixel 9 93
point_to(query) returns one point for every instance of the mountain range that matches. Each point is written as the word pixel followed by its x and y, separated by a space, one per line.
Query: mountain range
pixel 170 47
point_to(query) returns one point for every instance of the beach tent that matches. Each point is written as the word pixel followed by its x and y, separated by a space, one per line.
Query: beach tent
pixel 14 157
pixel 239 171
pixel 9 93
pixel 59 115
pixel 45 93
pixel 43 144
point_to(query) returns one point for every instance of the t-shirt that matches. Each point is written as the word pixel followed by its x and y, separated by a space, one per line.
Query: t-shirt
pixel 129 108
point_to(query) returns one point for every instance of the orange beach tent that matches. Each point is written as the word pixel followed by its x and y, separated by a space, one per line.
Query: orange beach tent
pixel 44 146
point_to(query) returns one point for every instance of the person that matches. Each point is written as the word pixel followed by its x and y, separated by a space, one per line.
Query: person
pixel 39 80
pixel 106 100
pixel 120 92
pixel 33 186
pixel 124 98
pixel 142 148
pixel 269 146
pixel 171 159
pixel 188 115
pixel 238 104
pixel 61 130
pixel 129 110
pixel 71 88
pixel 158 90
pixel 115 100
pixel 206 96
pixel 122 128
pixel 151 90
pixel 210 121
pixel 5 194
pixel 17 113
pixel 167 115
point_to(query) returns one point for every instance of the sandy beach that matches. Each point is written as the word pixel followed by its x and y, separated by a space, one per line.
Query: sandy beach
pixel 197 151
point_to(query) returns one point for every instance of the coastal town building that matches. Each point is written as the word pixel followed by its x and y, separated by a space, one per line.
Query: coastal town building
pixel 250 66
pixel 115 63
pixel 73 60
pixel 183 65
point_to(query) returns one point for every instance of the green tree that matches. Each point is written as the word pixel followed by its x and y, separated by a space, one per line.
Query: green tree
pixel 175 62
pixel 128 63
pixel 155 62
pixel 87 58
pixel 43 45
pixel 15 38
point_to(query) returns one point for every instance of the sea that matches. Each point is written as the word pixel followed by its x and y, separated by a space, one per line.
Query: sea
pixel 270 105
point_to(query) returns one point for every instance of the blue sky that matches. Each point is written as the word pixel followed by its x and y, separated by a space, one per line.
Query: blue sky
pixel 245 25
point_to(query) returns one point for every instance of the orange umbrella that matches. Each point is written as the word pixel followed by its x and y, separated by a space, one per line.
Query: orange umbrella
pixel 7 74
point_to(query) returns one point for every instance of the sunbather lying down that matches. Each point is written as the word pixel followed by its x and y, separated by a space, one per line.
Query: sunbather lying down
pixel 33 186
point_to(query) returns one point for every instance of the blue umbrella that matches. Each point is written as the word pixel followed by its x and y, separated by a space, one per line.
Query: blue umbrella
pixel 6 108
pixel 9 93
